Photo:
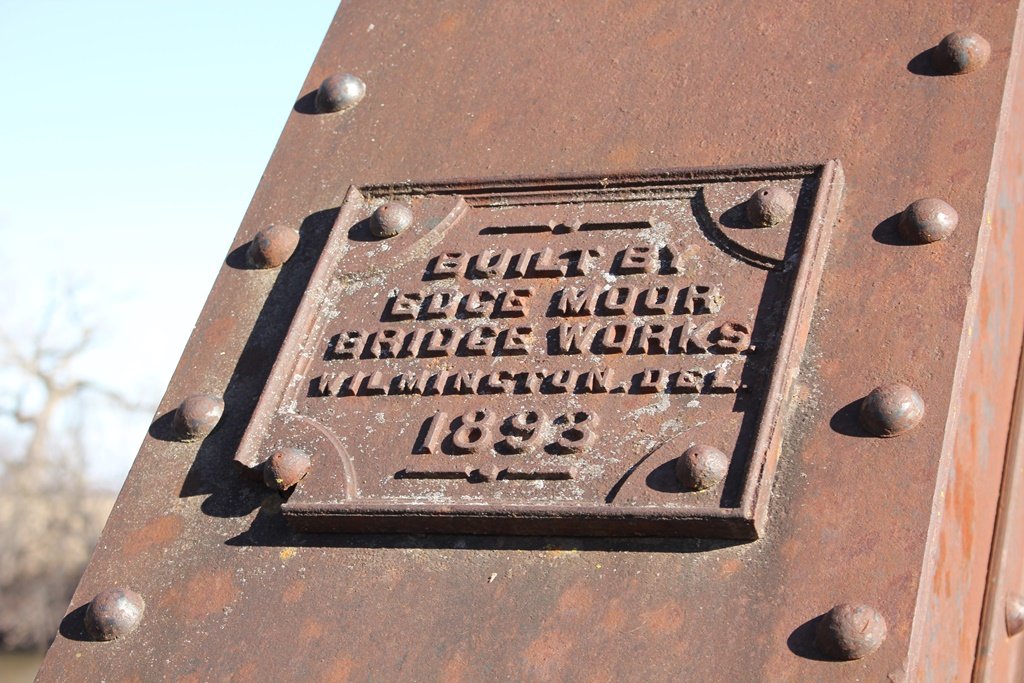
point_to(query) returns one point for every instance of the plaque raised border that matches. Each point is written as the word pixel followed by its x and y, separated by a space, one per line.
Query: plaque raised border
pixel 326 500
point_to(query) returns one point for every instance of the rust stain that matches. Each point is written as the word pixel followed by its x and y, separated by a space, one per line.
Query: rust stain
pixel 615 617
pixel 547 657
pixel 311 630
pixel 577 599
pixel 340 670
pixel 730 567
pixel 203 595
pixel 220 330
pixel 249 672
pixel 160 532
pixel 623 154
pixel 483 122
pixel 294 592
pixel 455 669
pixel 666 619
pixel 451 22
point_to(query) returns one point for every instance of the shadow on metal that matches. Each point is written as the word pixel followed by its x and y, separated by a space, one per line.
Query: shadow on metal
pixel 887 232
pixel 270 529
pixel 801 641
pixel 922 64
pixel 846 421
pixel 72 626
pixel 306 104
pixel 234 491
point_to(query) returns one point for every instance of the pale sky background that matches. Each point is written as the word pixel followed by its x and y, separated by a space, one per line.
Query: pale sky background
pixel 132 137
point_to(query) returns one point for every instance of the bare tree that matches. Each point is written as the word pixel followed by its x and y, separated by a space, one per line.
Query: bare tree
pixel 50 515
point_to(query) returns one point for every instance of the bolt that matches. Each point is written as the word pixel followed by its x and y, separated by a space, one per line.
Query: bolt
pixel 1014 614
pixel 891 410
pixel 197 416
pixel 390 219
pixel 701 467
pixel 961 52
pixel 285 468
pixel 928 220
pixel 769 206
pixel 339 92
pixel 272 246
pixel 114 613
pixel 850 631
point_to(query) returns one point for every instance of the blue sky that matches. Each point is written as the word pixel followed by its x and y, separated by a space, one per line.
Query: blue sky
pixel 133 136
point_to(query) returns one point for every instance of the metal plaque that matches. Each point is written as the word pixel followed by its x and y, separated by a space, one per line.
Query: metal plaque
pixel 533 357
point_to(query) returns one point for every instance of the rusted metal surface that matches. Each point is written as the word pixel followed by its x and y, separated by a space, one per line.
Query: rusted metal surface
pixel 964 559
pixel 489 90
pixel 1000 652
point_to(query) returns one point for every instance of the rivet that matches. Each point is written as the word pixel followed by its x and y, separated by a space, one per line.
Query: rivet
pixel 850 631
pixel 891 410
pixel 286 468
pixel 198 415
pixel 390 219
pixel 769 206
pixel 272 246
pixel 701 467
pixel 928 220
pixel 961 52
pixel 1014 614
pixel 114 613
pixel 339 92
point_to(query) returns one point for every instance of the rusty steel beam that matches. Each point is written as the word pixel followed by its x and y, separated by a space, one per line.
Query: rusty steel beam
pixel 622 341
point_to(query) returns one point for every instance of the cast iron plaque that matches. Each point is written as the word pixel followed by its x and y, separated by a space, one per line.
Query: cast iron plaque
pixel 531 356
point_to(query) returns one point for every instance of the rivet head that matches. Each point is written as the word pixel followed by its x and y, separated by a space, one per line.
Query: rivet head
pixel 390 219
pixel 339 92
pixel 850 631
pixel 928 220
pixel 1014 614
pixel 961 52
pixel 701 467
pixel 769 206
pixel 891 410
pixel 272 246
pixel 285 468
pixel 198 415
pixel 114 613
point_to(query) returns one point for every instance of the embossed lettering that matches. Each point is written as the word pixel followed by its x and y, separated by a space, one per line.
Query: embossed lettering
pixel 575 338
pixel 515 303
pixel 448 264
pixel 574 301
pixel 441 305
pixel 619 300
pixel 481 340
pixel 638 259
